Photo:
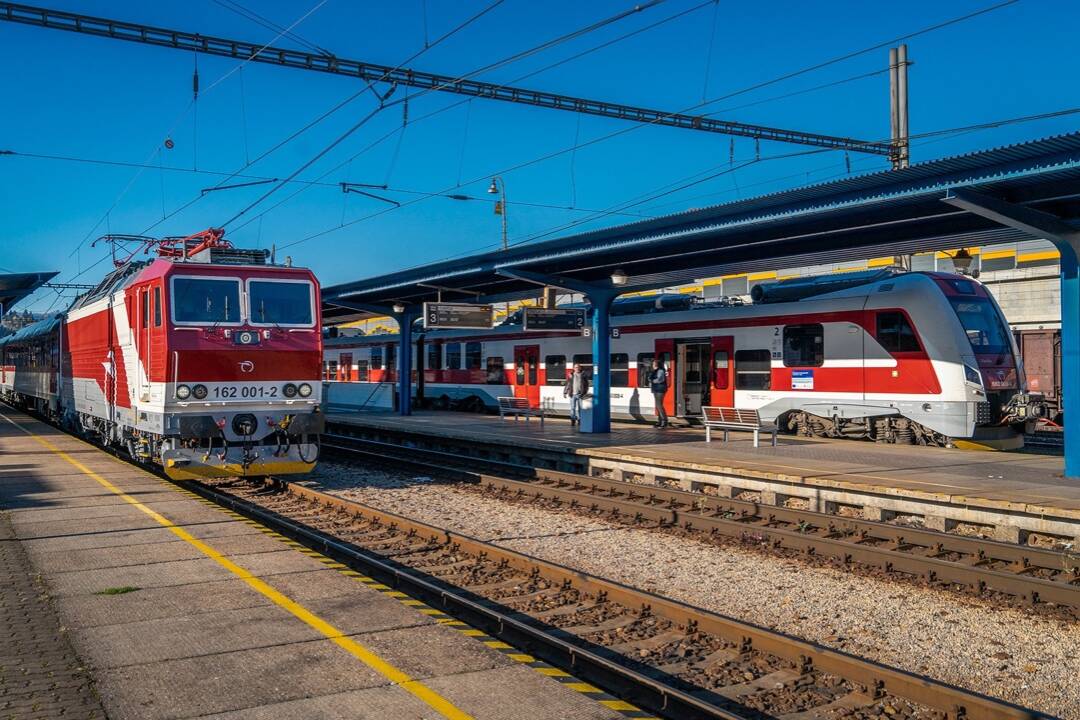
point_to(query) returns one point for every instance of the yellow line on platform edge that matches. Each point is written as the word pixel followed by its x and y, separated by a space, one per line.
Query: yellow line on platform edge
pixel 437 702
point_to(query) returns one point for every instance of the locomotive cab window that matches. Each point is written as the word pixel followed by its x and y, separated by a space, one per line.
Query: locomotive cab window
pixel 804 345
pixel 205 301
pixel 281 302
pixel 556 369
pixel 157 307
pixel 753 370
pixel 895 333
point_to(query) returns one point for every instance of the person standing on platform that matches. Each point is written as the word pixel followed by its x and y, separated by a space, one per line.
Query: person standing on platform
pixel 658 381
pixel 576 388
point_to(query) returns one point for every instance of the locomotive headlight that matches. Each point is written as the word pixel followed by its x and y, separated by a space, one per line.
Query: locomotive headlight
pixel 305 390
pixel 972 375
pixel 183 392
pixel 199 391
pixel 289 390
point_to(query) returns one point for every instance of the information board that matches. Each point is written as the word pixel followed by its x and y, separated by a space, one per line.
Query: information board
pixel 460 316
pixel 542 319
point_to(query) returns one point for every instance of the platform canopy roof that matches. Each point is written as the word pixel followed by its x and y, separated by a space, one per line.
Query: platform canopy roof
pixel 16 286
pixel 879 214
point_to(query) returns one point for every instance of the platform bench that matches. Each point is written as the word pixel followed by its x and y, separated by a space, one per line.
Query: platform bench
pixel 519 406
pixel 728 418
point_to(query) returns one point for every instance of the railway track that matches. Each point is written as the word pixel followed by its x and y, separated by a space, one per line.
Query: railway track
pixel 674 659
pixel 1035 575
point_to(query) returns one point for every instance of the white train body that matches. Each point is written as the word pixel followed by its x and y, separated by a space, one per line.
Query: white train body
pixel 913 357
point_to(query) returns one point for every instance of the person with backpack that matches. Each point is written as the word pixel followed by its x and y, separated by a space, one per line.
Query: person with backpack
pixel 576 388
pixel 658 382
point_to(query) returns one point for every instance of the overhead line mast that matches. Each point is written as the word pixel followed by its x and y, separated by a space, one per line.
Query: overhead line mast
pixel 252 52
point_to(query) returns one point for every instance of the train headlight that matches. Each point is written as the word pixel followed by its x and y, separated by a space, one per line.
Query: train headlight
pixel 289 390
pixel 199 391
pixel 183 392
pixel 972 375
pixel 305 390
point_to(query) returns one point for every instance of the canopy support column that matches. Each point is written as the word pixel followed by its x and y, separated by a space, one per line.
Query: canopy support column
pixel 405 361
pixel 600 296
pixel 1066 239
pixel 600 309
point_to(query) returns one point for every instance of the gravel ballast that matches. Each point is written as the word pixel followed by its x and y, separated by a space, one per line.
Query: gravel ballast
pixel 1005 652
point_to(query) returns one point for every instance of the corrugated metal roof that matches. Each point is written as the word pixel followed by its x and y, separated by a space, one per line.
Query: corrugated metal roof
pixel 883 212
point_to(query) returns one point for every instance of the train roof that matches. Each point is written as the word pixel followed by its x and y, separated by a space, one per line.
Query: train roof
pixel 859 285
pixel 34 330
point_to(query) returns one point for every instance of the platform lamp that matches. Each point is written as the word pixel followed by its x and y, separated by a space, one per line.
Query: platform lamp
pixel 962 260
pixel 619 277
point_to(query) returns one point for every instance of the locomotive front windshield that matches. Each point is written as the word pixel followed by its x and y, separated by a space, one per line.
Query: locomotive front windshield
pixel 205 300
pixel 983 325
pixel 280 303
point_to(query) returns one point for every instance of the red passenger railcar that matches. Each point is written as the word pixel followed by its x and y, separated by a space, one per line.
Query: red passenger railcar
pixel 205 359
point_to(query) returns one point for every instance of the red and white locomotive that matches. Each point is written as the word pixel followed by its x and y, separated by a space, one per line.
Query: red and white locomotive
pixel 923 358
pixel 204 359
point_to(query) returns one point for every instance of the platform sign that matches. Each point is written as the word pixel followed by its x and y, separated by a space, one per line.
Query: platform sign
pixel 460 316
pixel 543 319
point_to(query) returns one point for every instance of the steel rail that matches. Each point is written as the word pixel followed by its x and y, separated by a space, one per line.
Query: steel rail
pixel 636 687
pixel 936 557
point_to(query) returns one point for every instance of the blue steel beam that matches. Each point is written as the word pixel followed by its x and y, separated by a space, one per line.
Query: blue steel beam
pixel 1066 239
pixel 405 323
pixel 600 297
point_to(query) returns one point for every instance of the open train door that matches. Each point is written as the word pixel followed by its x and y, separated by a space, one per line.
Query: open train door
pixel 527 373
pixel 665 354
pixel 722 387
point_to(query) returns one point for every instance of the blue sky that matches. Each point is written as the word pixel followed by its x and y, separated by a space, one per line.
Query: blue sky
pixel 84 97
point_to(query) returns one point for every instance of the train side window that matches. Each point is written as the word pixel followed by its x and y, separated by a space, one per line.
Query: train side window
pixel 473 353
pixel 376 358
pixel 753 369
pixel 495 376
pixel 453 356
pixel 434 356
pixel 331 370
pixel 804 345
pixel 362 371
pixel 556 369
pixel 895 333
pixel 620 370
pixel 585 361
pixel 145 307
pixel 391 357
pixel 720 369
pixel 644 367
pixel 157 307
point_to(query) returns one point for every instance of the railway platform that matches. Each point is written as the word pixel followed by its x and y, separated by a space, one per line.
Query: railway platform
pixel 130 597
pixel 1008 495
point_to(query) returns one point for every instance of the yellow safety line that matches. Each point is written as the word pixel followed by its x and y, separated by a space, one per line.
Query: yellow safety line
pixel 437 702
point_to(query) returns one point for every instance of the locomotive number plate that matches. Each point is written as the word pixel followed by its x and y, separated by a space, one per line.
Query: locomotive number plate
pixel 244 392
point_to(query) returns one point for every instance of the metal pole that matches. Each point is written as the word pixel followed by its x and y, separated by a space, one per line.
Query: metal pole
pixel 600 303
pixel 902 105
pixel 405 321
pixel 502 189
pixel 894 119
pixel 1070 355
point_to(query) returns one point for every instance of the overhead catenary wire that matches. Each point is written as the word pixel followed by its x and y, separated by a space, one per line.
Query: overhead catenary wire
pixel 592 27
pixel 337 107
pixel 637 126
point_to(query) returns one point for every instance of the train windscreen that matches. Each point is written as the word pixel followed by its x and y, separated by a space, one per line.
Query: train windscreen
pixel 983 325
pixel 275 302
pixel 205 300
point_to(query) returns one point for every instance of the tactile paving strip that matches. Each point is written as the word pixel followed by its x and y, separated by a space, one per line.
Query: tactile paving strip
pixel 40 676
